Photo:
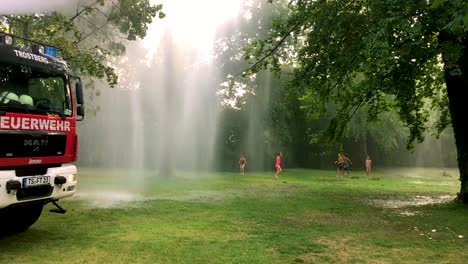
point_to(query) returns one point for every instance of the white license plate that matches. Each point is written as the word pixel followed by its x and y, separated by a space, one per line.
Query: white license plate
pixel 35 180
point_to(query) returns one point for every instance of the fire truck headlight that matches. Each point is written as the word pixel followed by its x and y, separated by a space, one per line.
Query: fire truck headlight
pixel 71 178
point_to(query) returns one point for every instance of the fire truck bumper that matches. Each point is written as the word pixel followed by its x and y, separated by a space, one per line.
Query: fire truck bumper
pixel 57 183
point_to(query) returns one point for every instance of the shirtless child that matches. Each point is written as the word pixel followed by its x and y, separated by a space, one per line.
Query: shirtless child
pixel 242 162
pixel 338 163
pixel 368 165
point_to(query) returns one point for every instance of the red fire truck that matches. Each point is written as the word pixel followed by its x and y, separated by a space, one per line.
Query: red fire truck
pixel 40 102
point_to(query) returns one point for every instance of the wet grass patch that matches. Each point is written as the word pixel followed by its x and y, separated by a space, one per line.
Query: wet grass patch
pixel 226 218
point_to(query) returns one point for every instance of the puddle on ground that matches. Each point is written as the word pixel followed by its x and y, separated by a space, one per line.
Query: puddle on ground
pixel 418 200
pixel 109 199
pixel 220 196
pixel 409 213
pixel 125 199
pixel 414 176
pixel 204 196
pixel 442 183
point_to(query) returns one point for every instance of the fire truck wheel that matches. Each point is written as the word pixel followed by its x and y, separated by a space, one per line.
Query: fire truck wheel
pixel 17 219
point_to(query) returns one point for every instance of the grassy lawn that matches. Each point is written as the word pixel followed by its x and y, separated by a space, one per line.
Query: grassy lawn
pixel 399 216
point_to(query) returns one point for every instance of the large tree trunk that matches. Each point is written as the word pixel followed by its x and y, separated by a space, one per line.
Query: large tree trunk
pixel 456 79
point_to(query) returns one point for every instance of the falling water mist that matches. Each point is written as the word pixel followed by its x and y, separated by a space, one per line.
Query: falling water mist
pixel 257 149
pixel 161 120
pixel 163 116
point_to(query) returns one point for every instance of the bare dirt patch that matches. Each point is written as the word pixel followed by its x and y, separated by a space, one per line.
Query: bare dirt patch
pixel 342 250
pixel 347 249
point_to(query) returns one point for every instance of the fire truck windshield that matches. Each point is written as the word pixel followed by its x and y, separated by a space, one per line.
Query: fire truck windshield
pixel 25 89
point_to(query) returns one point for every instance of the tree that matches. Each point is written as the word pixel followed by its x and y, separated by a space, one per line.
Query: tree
pixel 92 37
pixel 459 12
pixel 271 114
pixel 407 56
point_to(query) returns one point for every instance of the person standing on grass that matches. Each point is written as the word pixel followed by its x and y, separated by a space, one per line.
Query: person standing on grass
pixel 368 165
pixel 242 162
pixel 345 165
pixel 278 165
pixel 339 163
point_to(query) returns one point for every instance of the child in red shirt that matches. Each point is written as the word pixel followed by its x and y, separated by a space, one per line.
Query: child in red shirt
pixel 278 165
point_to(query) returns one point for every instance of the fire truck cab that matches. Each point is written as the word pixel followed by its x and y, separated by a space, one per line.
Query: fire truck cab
pixel 40 101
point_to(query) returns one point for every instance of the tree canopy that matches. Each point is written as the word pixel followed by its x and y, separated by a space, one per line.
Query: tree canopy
pixel 91 37
pixel 265 113
pixel 403 56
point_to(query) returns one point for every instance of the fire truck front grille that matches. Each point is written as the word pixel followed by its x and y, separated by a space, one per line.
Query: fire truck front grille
pixel 24 144
pixel 32 170
pixel 34 192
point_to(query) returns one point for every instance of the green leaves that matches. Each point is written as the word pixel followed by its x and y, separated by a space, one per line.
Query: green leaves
pixel 438 3
pixel 132 17
pixel 363 54
pixel 457 11
pixel 93 36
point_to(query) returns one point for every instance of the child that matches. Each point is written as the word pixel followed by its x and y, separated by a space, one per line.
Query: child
pixel 368 165
pixel 345 165
pixel 278 165
pixel 242 162
pixel 339 162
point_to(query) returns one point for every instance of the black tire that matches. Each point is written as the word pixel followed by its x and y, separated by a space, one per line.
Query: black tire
pixel 17 219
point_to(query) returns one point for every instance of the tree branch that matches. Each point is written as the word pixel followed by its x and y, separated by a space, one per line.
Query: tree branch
pixel 78 14
pixel 96 28
pixel 273 50
pixel 91 33
pixel 83 10
pixel 299 21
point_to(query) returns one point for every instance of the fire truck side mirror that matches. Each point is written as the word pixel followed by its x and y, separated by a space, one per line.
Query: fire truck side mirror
pixel 80 111
pixel 79 93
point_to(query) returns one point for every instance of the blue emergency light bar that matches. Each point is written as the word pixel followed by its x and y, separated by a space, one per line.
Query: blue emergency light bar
pixel 35 46
pixel 51 51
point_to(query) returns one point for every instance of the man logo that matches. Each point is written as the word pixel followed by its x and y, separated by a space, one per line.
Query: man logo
pixel 36 143
pixel 42 142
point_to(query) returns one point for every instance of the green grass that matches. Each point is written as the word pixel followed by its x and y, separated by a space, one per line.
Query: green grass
pixel 132 217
